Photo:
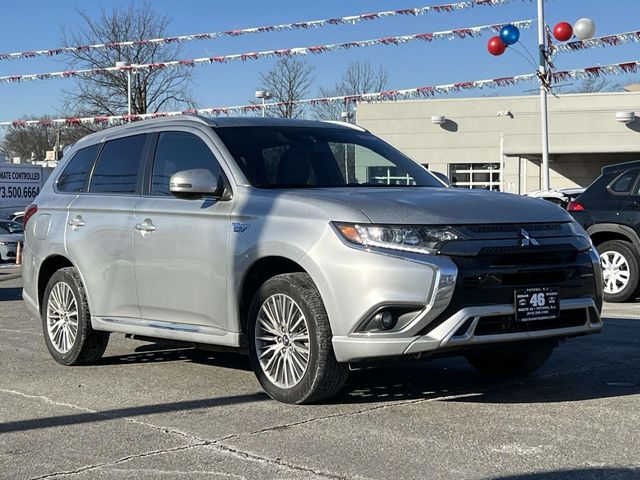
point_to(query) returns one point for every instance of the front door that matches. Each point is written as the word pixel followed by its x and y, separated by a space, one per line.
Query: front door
pixel 181 245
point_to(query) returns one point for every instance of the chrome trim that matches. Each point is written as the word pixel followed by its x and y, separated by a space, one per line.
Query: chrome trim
pixel 362 347
pixel 446 274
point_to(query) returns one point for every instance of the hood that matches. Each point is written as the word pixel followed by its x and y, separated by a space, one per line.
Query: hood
pixel 441 206
pixel 11 237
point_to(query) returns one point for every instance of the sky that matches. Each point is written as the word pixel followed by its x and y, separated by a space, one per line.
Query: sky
pixel 37 24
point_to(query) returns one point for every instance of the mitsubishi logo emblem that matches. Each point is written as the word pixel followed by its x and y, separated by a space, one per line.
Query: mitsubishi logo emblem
pixel 526 240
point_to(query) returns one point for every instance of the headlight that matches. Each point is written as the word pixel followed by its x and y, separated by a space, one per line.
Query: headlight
pixel 578 231
pixel 4 243
pixel 418 239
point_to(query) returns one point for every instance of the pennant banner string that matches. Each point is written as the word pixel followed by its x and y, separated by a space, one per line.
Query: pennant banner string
pixel 349 20
pixel 606 41
pixel 456 34
pixel 390 95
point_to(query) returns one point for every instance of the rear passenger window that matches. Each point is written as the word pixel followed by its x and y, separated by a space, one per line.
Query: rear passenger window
pixel 74 177
pixel 118 166
pixel 178 151
pixel 624 183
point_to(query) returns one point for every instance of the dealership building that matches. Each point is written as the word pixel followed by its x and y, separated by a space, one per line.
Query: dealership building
pixel 494 142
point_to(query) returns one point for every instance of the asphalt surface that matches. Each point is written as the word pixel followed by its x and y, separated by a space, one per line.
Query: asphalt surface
pixel 156 411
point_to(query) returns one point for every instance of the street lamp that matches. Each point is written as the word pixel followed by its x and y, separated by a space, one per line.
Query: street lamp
pixel 124 65
pixel 544 113
pixel 264 95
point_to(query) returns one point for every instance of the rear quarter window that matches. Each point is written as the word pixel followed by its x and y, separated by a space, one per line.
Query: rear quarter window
pixel 624 183
pixel 75 174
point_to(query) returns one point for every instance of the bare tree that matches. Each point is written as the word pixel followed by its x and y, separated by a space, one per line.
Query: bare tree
pixel 289 81
pixel 106 94
pixel 595 85
pixel 33 141
pixel 360 77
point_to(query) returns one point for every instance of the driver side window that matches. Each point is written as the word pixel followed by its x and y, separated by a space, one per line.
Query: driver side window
pixel 178 151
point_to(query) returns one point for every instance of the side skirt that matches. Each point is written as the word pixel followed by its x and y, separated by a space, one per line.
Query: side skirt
pixel 167 330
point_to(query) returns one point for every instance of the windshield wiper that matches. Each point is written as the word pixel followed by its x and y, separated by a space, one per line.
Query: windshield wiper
pixel 284 185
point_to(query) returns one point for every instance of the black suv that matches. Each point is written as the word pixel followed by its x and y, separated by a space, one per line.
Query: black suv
pixel 609 210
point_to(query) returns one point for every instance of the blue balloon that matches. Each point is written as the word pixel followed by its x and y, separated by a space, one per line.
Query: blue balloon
pixel 510 34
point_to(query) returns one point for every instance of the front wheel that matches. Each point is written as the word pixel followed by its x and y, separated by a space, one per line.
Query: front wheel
pixel 518 364
pixel 290 342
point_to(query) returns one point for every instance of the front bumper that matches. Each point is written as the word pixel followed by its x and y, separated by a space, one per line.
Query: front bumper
pixel 474 326
pixel 479 308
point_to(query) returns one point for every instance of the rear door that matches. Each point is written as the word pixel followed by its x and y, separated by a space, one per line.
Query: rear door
pixel 100 228
pixel 180 244
pixel 630 206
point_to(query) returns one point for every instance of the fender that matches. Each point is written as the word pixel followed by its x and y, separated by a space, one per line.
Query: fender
pixel 624 230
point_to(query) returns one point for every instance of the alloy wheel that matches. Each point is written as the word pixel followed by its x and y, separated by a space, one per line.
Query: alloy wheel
pixel 62 317
pixel 282 341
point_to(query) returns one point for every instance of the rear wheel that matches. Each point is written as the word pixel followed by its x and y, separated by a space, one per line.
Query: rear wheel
pixel 66 321
pixel 620 271
pixel 516 364
pixel 290 341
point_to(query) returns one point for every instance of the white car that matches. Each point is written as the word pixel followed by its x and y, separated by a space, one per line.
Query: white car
pixel 560 197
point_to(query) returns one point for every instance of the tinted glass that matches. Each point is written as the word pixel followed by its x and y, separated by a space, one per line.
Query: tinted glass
pixel 303 157
pixel 624 183
pixel 178 151
pixel 118 166
pixel 74 177
pixel 12 227
pixel 3 231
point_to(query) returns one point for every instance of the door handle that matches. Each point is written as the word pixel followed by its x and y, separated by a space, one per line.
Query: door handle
pixel 76 222
pixel 146 226
pixel 635 204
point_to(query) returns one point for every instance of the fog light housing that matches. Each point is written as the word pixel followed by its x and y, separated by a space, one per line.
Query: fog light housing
pixel 386 320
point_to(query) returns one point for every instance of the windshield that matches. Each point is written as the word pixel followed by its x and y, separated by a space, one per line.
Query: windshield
pixel 3 231
pixel 305 157
pixel 11 227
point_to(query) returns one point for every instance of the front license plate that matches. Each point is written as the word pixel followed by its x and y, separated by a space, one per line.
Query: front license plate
pixel 534 304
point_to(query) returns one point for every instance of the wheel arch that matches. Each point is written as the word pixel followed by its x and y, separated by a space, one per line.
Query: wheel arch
pixel 604 232
pixel 48 267
pixel 261 270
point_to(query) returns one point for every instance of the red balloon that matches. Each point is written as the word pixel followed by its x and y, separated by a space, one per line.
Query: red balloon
pixel 496 46
pixel 563 31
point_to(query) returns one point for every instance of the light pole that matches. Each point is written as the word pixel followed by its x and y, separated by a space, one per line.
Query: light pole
pixel 126 65
pixel 264 95
pixel 346 117
pixel 544 111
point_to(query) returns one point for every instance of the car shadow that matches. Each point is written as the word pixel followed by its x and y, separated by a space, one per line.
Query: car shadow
pixel 584 369
pixel 172 352
pixel 595 473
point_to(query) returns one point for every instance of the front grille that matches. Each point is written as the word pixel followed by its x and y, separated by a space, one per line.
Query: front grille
pixel 508 324
pixel 540 227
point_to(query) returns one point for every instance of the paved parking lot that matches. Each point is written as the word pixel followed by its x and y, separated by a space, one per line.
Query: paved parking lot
pixel 155 411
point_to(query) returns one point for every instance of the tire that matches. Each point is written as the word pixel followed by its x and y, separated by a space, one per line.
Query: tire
pixel 518 364
pixel 620 270
pixel 87 345
pixel 273 345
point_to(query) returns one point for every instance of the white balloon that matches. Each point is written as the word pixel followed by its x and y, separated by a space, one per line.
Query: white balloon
pixel 584 29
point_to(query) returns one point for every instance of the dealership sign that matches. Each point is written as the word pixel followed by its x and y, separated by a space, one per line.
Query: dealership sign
pixel 19 185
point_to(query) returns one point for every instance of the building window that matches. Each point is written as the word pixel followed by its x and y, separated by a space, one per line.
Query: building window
pixel 475 175
pixel 389 176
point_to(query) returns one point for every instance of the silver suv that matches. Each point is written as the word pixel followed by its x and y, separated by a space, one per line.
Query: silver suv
pixel 314 246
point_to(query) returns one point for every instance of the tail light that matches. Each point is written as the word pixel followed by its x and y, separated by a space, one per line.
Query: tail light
pixel 28 213
pixel 575 207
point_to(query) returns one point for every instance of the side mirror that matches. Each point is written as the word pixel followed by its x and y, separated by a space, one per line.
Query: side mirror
pixel 442 177
pixel 196 183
